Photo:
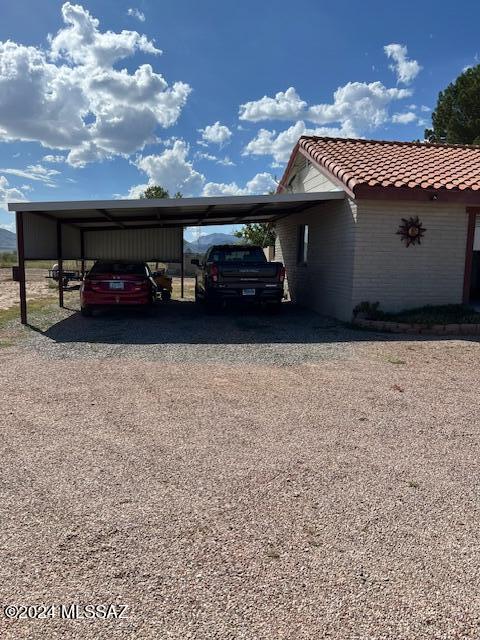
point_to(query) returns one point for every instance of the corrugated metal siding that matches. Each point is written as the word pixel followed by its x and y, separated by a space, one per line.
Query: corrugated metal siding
pixel 135 244
pixel 70 242
pixel 40 237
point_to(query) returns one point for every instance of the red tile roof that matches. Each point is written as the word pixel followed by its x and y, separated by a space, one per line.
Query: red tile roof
pixel 363 165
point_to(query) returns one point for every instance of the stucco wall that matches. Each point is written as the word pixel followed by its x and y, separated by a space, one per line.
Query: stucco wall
pixel 400 277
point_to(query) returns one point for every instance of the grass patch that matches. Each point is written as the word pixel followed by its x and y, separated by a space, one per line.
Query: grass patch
pixel 429 315
pixel 41 313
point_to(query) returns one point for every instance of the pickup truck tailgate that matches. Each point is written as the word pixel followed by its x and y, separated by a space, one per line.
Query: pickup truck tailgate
pixel 248 273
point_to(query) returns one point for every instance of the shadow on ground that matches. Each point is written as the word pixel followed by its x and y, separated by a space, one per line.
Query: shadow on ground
pixel 184 322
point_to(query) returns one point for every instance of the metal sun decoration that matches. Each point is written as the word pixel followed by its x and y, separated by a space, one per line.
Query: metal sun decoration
pixel 411 231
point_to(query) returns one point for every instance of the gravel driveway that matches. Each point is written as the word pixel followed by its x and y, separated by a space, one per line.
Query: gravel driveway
pixel 240 477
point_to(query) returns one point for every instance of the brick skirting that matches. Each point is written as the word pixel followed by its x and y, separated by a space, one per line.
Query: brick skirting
pixel 415 328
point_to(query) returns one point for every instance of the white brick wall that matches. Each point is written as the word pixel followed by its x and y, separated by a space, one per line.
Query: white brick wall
pixel 325 282
pixel 400 277
pixel 356 255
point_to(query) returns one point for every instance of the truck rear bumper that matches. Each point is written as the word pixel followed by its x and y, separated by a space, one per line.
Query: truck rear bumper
pixel 245 293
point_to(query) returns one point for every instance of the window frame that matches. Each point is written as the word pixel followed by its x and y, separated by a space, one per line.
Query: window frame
pixel 302 244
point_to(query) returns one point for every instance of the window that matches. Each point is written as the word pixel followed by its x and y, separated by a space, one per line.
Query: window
pixel 254 254
pixel 302 244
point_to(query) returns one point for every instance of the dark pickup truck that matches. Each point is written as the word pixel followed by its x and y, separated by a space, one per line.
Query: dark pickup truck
pixel 240 273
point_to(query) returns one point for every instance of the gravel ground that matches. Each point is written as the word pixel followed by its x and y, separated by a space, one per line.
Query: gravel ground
pixel 318 483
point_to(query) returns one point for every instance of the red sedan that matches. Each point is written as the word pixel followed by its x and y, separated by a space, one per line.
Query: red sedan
pixel 117 283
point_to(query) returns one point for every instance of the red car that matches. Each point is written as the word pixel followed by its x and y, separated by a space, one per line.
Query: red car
pixel 110 283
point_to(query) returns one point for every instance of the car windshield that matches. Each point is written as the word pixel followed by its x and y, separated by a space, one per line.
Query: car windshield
pixel 243 254
pixel 120 268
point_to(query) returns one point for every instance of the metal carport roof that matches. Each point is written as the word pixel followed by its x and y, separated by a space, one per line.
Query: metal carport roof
pixel 150 229
pixel 144 213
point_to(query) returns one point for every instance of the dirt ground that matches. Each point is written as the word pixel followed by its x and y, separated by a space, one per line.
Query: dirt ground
pixel 37 287
pixel 239 476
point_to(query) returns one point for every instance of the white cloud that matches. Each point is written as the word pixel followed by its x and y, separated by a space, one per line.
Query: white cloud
pixel 9 227
pixel 136 13
pixel 172 170
pixel 406 70
pixel 34 172
pixel 82 43
pixel 226 162
pixel 71 97
pixel 357 107
pixel 424 108
pixel 215 134
pixel 260 184
pixel 284 106
pixel 53 159
pixel 280 145
pixel 404 118
pixel 9 194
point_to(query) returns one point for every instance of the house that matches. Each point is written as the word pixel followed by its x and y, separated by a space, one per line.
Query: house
pixel 404 235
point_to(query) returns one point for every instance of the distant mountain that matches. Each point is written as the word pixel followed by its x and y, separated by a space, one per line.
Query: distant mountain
pixel 204 242
pixel 8 240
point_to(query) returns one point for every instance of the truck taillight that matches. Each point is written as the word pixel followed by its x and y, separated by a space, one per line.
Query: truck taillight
pixel 214 272
pixel 281 274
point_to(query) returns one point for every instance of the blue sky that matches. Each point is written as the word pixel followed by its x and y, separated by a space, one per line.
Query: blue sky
pixel 91 108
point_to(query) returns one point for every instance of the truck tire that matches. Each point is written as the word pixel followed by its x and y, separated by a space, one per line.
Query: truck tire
pixel 86 311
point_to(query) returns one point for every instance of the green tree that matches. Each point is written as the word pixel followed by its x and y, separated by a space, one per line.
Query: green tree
pixel 156 192
pixel 262 233
pixel 456 118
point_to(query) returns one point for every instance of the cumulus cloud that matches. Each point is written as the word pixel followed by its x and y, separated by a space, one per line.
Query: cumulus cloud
pixel 404 118
pixel 356 108
pixel 285 105
pixel 81 42
pixel 405 69
pixel 71 97
pixel 215 134
pixel 172 170
pixel 136 13
pixel 260 184
pixel 280 145
pixel 9 194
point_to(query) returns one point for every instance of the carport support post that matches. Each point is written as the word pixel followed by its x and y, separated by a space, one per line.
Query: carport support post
pixel 21 267
pixel 182 267
pixel 60 263
pixel 82 252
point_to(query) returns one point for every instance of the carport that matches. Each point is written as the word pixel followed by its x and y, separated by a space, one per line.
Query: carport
pixel 146 230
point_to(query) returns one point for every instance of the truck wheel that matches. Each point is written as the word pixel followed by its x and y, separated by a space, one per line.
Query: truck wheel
pixel 86 311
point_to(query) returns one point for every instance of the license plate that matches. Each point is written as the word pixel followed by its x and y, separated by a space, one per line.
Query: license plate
pixel 116 285
pixel 248 292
